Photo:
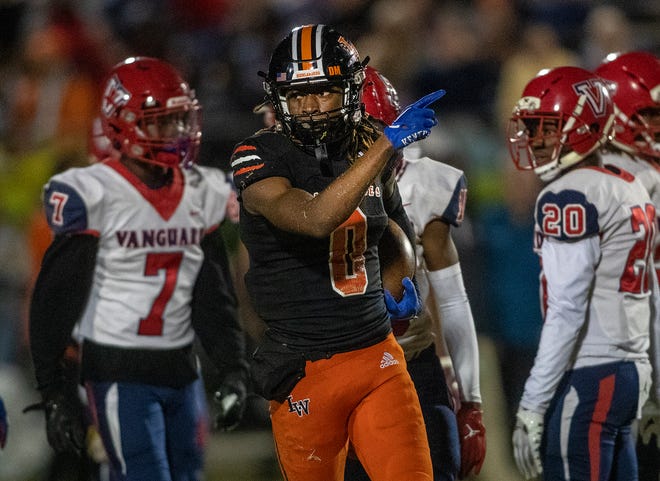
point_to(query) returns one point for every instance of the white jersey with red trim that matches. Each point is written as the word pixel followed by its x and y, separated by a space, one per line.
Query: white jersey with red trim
pixel 430 190
pixel 149 250
pixel 595 231
pixel 648 174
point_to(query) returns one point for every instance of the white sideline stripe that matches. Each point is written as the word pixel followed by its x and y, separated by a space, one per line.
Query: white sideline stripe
pixel 568 408
pixel 112 414
pixel 247 158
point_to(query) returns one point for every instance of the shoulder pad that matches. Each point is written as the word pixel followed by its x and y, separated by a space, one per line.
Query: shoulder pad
pixel 257 158
pixel 217 190
pixel 65 208
pixel 73 199
pixel 434 190
pixel 566 215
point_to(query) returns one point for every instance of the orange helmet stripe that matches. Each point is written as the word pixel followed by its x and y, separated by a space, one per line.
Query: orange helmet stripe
pixel 306 45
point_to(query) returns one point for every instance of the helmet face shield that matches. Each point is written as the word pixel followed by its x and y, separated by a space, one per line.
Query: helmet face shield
pixel 169 126
pixel 169 136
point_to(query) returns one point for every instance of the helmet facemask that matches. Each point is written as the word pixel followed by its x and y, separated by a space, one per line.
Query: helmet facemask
pixel 548 143
pixel 640 133
pixel 167 137
pixel 312 130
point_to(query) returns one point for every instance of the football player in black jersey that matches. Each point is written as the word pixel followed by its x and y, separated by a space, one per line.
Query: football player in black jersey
pixel 316 192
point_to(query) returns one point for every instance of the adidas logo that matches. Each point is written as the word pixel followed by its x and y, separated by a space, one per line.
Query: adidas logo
pixel 388 360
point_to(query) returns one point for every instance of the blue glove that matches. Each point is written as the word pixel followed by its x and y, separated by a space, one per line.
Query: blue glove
pixel 3 424
pixel 409 305
pixel 414 123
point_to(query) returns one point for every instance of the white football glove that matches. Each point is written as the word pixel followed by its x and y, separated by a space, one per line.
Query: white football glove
pixel 650 423
pixel 527 443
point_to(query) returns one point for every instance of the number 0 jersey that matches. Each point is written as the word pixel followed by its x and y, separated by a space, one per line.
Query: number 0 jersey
pixel 595 230
pixel 149 250
pixel 314 294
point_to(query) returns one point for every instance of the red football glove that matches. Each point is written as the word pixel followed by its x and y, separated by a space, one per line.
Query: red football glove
pixel 473 438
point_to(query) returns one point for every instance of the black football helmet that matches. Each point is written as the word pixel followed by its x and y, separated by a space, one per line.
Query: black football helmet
pixel 316 55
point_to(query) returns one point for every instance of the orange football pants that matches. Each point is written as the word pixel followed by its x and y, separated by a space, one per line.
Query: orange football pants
pixel 365 396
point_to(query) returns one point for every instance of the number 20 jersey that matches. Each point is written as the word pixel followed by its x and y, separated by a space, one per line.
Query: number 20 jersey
pixel 149 248
pixel 612 204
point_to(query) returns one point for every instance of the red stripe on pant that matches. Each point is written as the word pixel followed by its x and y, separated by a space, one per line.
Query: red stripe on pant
pixel 605 394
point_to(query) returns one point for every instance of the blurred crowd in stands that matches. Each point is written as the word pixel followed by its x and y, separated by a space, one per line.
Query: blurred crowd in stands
pixel 54 54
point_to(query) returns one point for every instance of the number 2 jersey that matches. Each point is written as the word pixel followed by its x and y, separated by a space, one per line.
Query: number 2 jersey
pixel 595 229
pixel 149 253
pixel 315 294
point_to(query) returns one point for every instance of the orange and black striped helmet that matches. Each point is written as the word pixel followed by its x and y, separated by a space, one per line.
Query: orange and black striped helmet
pixel 316 55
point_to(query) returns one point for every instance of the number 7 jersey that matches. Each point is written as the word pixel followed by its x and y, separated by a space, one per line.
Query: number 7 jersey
pixel 149 251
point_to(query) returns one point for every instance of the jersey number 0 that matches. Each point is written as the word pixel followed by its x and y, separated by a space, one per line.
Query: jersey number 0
pixel 348 242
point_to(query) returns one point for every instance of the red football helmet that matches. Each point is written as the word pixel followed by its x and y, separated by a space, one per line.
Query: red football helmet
pixel 150 113
pixel 564 115
pixel 379 96
pixel 635 90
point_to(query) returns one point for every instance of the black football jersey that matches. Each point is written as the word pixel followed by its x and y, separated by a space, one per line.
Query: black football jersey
pixel 315 294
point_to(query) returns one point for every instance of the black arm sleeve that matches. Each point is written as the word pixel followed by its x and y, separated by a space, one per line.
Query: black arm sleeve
pixel 58 299
pixel 214 309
